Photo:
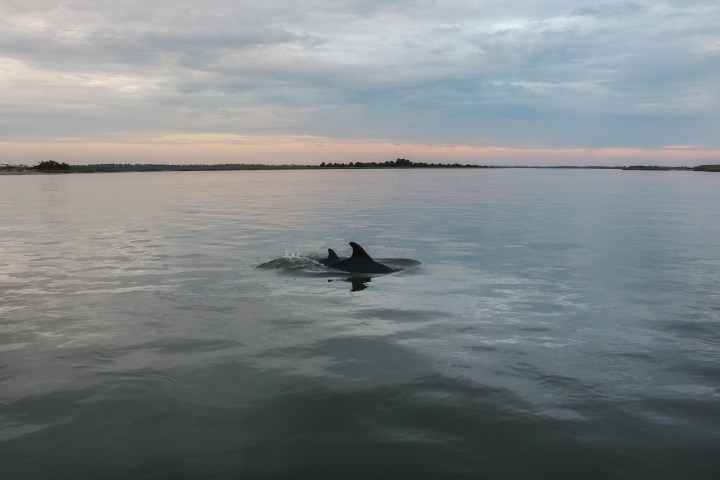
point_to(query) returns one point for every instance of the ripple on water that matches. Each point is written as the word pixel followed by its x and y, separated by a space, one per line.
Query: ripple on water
pixel 539 337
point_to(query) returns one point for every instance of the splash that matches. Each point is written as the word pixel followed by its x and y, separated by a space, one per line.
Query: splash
pixel 291 261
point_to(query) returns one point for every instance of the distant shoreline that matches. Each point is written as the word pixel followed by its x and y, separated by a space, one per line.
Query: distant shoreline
pixel 51 167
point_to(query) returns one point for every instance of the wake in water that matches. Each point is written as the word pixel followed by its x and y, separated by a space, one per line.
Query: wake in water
pixel 292 261
pixel 311 263
pixel 315 265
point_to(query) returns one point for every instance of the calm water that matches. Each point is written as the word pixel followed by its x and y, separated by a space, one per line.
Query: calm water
pixel 559 324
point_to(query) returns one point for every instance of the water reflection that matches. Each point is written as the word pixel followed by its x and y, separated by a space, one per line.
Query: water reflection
pixel 551 308
pixel 357 283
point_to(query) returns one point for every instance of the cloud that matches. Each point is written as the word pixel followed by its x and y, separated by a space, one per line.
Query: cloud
pixel 612 9
pixel 559 73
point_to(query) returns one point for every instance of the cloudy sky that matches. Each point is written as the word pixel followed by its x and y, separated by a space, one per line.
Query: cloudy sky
pixel 480 81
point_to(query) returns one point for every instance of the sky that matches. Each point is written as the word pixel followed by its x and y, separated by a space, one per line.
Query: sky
pixel 500 82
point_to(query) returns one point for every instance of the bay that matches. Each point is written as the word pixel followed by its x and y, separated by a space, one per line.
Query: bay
pixel 547 323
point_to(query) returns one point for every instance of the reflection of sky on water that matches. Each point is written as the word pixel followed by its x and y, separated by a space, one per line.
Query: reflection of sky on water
pixel 541 282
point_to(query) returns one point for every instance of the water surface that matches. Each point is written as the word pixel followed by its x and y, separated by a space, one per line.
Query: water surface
pixel 559 324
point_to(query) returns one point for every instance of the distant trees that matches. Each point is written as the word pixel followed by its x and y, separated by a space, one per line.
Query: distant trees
pixel 165 167
pixel 6 167
pixel 708 168
pixel 399 163
pixel 52 166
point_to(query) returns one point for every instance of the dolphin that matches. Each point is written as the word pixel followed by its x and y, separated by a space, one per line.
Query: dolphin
pixel 359 262
pixel 331 258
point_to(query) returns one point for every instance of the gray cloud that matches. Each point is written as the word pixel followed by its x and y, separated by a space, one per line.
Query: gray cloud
pixel 612 9
pixel 560 73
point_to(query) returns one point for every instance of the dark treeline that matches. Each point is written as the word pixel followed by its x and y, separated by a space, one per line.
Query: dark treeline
pixel 154 167
pixel 399 163
pixel 699 168
pixel 128 167
pixel 51 166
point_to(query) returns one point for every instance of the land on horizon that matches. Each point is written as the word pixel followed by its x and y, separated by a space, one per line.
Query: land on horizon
pixel 52 166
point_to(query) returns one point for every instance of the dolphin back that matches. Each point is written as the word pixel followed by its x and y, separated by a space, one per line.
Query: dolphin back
pixel 331 258
pixel 360 262
pixel 359 252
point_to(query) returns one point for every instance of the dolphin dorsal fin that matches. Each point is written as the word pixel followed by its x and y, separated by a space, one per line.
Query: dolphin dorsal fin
pixel 359 252
pixel 332 255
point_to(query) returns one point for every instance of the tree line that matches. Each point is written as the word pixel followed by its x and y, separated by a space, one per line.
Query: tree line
pixel 399 163
pixel 51 166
